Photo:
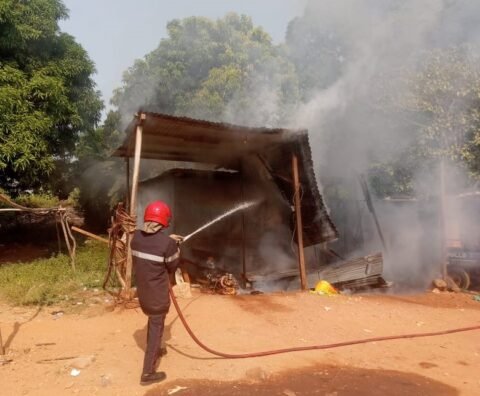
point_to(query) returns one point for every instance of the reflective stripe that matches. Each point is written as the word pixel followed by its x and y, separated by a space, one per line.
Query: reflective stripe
pixel 146 256
pixel 173 257
pixel 153 257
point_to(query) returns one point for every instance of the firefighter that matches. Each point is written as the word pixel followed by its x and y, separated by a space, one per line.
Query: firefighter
pixel 155 256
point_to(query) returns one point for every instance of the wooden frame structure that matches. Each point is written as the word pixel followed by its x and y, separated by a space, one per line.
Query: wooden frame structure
pixel 215 143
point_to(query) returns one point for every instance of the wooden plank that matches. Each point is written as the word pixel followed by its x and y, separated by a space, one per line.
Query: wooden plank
pixel 127 183
pixel 298 220
pixel 133 202
pixel 90 235
pixel 443 219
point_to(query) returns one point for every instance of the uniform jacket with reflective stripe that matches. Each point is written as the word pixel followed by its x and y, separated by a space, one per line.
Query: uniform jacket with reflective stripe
pixel 154 256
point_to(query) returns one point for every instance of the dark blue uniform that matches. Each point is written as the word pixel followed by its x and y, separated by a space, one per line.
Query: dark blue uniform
pixel 154 257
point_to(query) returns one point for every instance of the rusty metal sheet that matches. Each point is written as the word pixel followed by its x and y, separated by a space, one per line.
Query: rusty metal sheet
pixel 264 153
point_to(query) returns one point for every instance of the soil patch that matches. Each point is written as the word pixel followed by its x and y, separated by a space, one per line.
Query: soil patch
pixel 321 380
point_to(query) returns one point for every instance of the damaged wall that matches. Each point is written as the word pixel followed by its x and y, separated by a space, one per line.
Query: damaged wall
pixel 260 235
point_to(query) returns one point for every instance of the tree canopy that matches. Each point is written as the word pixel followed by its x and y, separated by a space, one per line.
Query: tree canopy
pixel 47 95
pixel 214 69
pixel 436 104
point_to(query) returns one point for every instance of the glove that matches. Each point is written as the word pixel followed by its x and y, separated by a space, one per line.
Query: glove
pixel 177 238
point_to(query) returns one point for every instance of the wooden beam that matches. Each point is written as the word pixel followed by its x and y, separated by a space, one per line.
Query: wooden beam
pixel 298 221
pixel 90 235
pixel 443 220
pixel 133 202
pixel 127 183
pixel 244 248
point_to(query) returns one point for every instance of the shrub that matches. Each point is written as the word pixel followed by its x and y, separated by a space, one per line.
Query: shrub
pixel 40 200
pixel 47 281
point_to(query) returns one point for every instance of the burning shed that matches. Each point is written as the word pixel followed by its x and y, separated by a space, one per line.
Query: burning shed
pixel 270 166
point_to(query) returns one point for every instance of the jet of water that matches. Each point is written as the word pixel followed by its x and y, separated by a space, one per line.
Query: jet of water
pixel 235 209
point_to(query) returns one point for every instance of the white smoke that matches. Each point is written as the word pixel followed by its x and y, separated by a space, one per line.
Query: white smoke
pixel 381 37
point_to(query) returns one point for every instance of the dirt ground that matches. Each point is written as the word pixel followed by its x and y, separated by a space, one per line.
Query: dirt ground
pixel 41 344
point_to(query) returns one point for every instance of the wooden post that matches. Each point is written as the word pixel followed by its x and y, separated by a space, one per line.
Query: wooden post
pixel 133 201
pixel 244 248
pixel 443 222
pixel 127 184
pixel 299 226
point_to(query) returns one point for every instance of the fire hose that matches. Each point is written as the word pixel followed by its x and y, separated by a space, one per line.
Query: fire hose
pixel 292 349
pixel 311 347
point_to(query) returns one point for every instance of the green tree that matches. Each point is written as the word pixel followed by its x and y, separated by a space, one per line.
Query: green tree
pixel 318 52
pixel 100 178
pixel 226 69
pixel 47 95
pixel 437 102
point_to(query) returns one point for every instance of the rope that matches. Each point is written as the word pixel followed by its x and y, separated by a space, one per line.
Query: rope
pixel 123 225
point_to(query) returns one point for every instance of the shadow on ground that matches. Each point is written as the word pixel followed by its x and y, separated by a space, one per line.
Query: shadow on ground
pixel 320 380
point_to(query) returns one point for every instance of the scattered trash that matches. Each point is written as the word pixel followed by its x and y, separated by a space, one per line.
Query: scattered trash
pixel 367 331
pixel 182 290
pixel 324 288
pixel 82 362
pixel 476 298
pixel 176 389
pixel 327 308
pixel 288 392
pixel 57 314
pixel 439 284
pixel 4 360
pixel 105 380
pixel 75 372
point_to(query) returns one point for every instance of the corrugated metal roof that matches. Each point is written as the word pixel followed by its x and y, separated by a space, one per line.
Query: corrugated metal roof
pixel 167 137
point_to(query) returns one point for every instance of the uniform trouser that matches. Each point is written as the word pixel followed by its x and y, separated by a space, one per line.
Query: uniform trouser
pixel 156 324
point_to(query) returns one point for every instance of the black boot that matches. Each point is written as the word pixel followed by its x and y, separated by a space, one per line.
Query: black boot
pixel 147 379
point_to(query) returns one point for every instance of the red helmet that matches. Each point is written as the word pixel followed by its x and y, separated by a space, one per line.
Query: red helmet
pixel 159 212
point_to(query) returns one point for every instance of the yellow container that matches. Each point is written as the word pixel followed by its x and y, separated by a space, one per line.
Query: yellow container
pixel 323 287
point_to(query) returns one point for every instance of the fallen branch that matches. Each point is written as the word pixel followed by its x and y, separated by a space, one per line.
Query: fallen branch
pixel 57 359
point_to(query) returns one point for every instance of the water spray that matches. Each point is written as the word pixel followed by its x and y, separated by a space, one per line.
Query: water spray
pixel 235 209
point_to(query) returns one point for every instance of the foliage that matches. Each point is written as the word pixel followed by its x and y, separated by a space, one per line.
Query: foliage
pixel 48 281
pixel 102 185
pixel 217 70
pixel 100 178
pixel 436 105
pixel 38 200
pixel 74 198
pixel 98 144
pixel 47 95
pixel 319 53
pixel 442 96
